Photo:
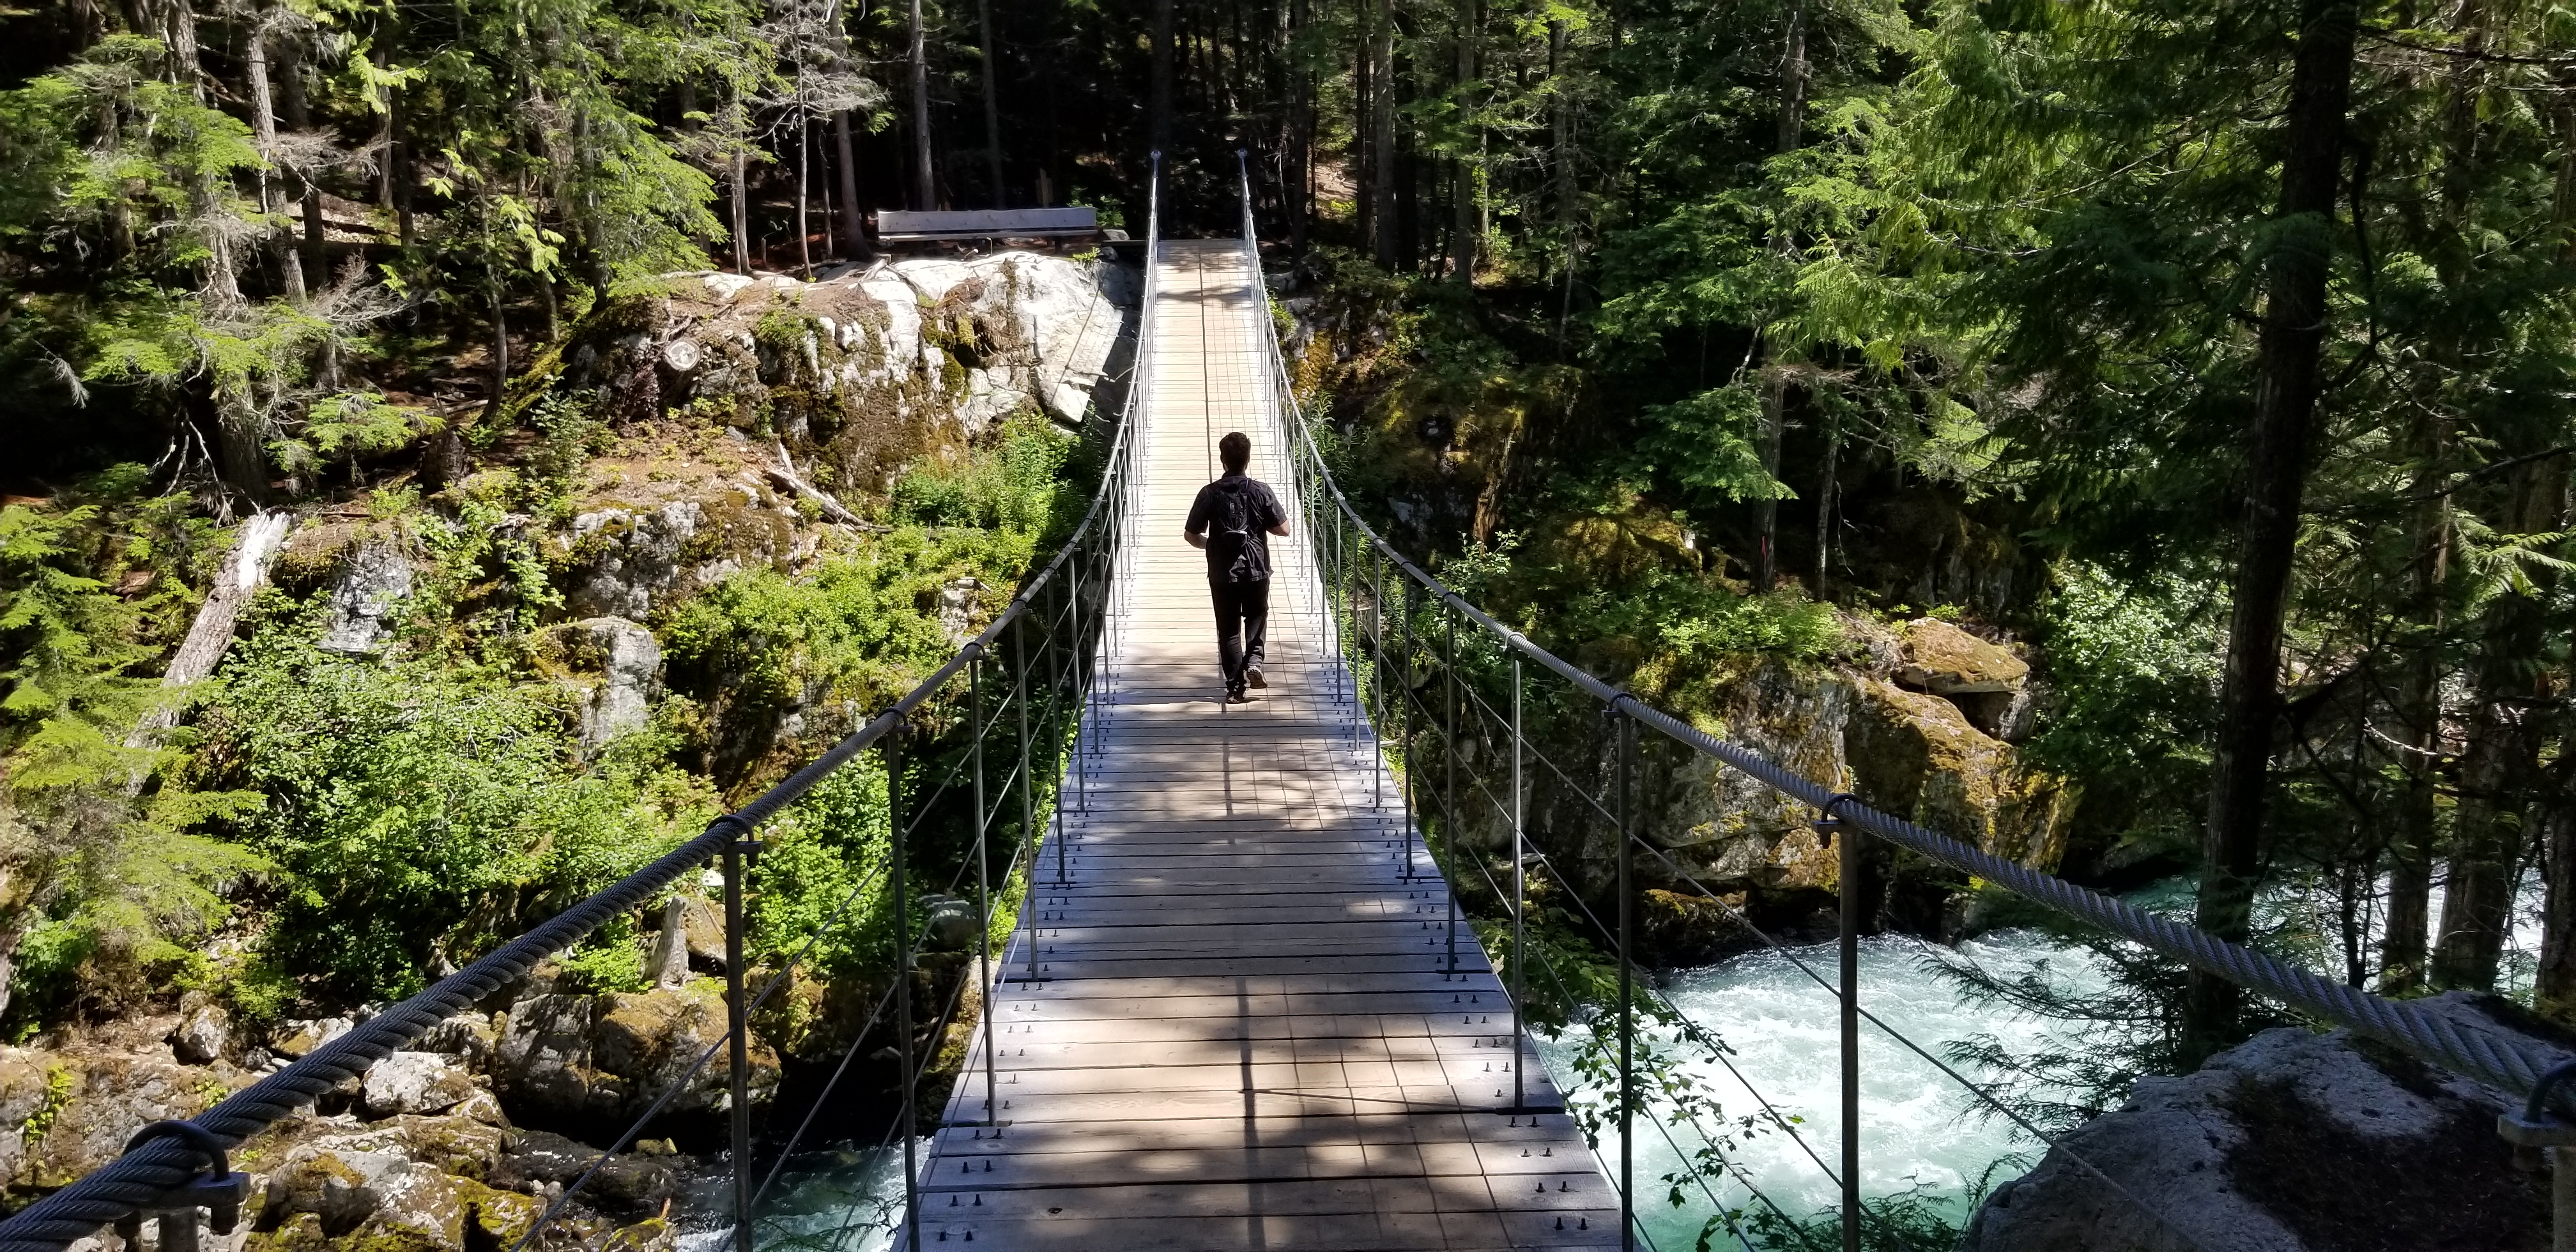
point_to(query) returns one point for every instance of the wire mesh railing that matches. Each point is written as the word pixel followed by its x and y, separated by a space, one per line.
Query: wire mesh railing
pixel 1023 682
pixel 1463 707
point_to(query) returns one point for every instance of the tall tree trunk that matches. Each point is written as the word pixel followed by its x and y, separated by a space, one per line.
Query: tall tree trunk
pixel 383 143
pixel 924 187
pixel 1297 178
pixel 1766 511
pixel 854 227
pixel 2408 932
pixel 263 112
pixel 1162 120
pixel 1365 169
pixel 290 79
pixel 174 23
pixel 1384 166
pixel 500 343
pixel 2499 767
pixel 400 176
pixel 804 180
pixel 1403 87
pixel 2285 401
pixel 992 109
pixel 1793 130
pixel 1793 80
pixel 741 211
pixel 2555 990
pixel 1463 216
pixel 2419 698
pixel 1560 115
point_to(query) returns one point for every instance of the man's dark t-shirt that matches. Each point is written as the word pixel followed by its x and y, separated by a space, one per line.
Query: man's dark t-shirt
pixel 1237 512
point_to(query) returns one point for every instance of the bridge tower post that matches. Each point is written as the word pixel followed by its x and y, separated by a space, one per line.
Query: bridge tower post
pixel 900 883
pixel 1627 820
pixel 738 1043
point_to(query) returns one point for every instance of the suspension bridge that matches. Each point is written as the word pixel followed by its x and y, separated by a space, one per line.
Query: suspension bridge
pixel 1241 1005
pixel 1248 1017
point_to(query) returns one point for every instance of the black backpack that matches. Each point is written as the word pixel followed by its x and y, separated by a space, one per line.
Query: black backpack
pixel 1235 550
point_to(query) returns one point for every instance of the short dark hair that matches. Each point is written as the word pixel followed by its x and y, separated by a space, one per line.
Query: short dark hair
pixel 1235 451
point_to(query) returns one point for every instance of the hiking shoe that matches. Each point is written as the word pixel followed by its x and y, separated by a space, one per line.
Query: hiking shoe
pixel 1252 677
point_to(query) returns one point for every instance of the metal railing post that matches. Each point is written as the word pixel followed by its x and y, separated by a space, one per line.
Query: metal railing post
pixel 900 884
pixel 1848 889
pixel 1520 907
pixel 1404 723
pixel 983 889
pixel 1028 798
pixel 1627 991
pixel 1449 782
pixel 1377 681
pixel 737 1042
pixel 1081 692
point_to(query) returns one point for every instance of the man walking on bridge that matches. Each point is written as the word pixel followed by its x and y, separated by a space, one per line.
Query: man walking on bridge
pixel 1232 520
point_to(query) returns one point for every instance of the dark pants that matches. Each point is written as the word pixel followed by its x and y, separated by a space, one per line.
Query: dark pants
pixel 1242 618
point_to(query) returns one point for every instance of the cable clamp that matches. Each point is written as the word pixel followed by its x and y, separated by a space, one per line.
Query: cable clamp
pixel 1828 819
pixel 218 1189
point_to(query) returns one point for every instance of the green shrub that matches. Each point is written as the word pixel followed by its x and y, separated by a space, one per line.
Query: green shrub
pixel 826 846
pixel 1013 485
pixel 419 808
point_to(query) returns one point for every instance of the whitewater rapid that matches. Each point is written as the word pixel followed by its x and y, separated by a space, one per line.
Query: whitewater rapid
pixel 1920 1130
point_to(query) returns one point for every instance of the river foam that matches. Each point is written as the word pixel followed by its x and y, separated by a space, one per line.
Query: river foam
pixel 1920 1130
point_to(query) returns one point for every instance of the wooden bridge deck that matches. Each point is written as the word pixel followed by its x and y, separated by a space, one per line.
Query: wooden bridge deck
pixel 1245 1033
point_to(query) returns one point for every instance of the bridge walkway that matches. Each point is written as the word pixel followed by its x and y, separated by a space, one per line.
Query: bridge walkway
pixel 1244 1031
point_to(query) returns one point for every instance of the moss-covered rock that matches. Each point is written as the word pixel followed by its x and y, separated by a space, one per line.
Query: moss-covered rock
pixel 1942 659
pixel 589 1063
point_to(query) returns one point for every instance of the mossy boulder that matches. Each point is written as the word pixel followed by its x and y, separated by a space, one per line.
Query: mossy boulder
pixel 587 1064
pixel 66 1112
pixel 1942 659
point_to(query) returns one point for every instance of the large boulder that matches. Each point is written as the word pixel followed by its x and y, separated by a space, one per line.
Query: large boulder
pixel 613 667
pixel 631 1185
pixel 583 1063
pixel 379 1200
pixel 933 341
pixel 469 1037
pixel 66 1112
pixel 1910 753
pixel 2290 1142
pixel 416 1082
pixel 374 581
pixel 1942 659
pixel 204 1033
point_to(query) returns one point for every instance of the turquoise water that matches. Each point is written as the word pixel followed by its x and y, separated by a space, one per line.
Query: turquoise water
pixel 1921 1131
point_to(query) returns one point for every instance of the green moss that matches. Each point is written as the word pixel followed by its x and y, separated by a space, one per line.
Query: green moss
pixel 60 1083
